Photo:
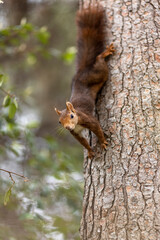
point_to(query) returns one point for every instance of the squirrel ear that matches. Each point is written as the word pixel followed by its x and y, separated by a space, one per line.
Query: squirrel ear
pixel 70 106
pixel 57 111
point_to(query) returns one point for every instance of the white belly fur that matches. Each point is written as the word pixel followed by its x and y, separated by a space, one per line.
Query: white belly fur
pixel 78 129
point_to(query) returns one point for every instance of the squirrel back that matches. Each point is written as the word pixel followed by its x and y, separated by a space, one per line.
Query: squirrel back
pixel 91 35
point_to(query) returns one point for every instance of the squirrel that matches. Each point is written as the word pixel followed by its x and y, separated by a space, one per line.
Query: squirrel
pixel 91 74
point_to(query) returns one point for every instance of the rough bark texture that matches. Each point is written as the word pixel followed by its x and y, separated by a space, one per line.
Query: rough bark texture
pixel 122 184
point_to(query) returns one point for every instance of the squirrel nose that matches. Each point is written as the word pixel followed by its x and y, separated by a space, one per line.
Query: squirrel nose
pixel 68 128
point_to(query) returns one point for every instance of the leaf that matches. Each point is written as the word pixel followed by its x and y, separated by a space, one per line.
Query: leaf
pixel 69 55
pixel 1 79
pixel 43 35
pixel 28 27
pixel 16 103
pixel 6 101
pixel 12 110
pixel 7 195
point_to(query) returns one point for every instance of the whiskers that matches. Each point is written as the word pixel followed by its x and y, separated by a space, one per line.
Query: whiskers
pixel 61 130
pixel 58 130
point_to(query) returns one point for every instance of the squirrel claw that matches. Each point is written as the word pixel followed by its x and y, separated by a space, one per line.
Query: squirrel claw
pixel 104 145
pixel 109 50
pixel 91 154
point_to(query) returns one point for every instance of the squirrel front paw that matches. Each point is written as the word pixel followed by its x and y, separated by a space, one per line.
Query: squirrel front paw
pixel 104 145
pixel 109 51
pixel 91 154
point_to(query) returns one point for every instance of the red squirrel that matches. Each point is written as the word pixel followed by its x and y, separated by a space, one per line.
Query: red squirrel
pixel 90 76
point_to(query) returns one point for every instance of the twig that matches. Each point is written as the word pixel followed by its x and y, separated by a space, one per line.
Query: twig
pixel 10 174
pixel 11 178
pixel 7 93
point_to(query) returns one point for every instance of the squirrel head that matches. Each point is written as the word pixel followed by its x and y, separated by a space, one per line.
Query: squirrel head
pixel 68 117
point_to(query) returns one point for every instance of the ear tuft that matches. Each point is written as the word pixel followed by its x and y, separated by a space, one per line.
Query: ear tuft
pixel 57 111
pixel 70 107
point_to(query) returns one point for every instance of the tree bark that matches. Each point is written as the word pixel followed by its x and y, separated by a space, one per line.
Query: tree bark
pixel 122 184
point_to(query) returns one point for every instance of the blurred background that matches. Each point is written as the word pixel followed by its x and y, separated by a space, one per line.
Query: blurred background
pixel 37 62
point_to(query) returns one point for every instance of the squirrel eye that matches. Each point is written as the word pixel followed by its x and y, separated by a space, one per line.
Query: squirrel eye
pixel 72 116
pixel 59 122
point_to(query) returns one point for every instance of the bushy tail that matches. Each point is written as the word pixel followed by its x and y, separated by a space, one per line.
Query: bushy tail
pixel 91 35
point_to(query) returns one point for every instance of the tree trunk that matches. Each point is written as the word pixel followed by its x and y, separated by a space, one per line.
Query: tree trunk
pixel 122 184
pixel 16 10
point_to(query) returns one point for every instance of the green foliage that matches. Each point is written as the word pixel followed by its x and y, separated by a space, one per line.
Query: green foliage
pixel 12 110
pixel 49 204
pixel 43 35
pixel 52 174
pixel 9 100
pixel 25 40
pixel 69 55
pixel 6 101
pixel 8 194
pixel 30 42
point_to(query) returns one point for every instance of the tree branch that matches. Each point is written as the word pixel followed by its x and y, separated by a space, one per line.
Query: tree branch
pixel 10 174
